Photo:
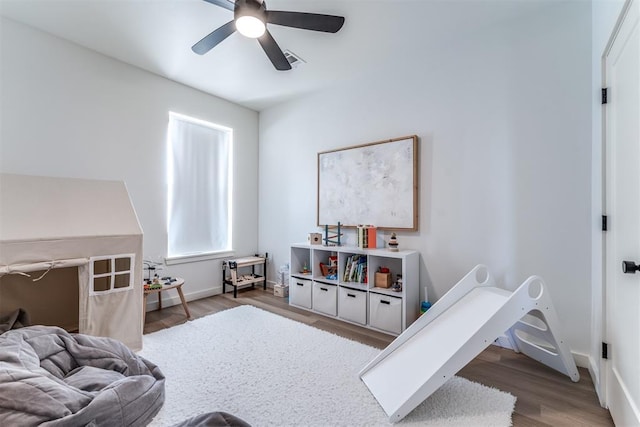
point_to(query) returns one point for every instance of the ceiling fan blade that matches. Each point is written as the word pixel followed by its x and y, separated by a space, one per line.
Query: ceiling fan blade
pixel 306 21
pixel 223 3
pixel 212 40
pixel 274 52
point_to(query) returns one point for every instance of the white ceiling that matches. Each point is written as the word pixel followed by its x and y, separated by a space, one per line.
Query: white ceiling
pixel 157 35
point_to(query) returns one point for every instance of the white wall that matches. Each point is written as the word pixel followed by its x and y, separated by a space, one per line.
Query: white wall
pixel 604 16
pixel 502 116
pixel 504 120
pixel 68 111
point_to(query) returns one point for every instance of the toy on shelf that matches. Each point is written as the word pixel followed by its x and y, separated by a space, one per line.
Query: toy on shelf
pixel 315 238
pixel 332 239
pixel 152 267
pixel 328 269
pixel 149 287
pixel 305 269
pixel 167 280
pixel 393 243
pixel 382 278
pixel 397 287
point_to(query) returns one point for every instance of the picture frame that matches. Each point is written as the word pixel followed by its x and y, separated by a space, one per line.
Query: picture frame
pixel 374 183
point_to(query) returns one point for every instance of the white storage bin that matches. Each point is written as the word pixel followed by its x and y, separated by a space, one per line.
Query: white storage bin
pixel 352 305
pixel 325 298
pixel 385 312
pixel 300 292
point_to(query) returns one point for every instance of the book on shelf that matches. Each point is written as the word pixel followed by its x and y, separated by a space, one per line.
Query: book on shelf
pixel 360 236
pixel 366 235
pixel 355 269
pixel 371 237
pixel 347 269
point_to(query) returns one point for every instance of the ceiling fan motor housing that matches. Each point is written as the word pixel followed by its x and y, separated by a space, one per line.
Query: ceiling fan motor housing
pixel 250 8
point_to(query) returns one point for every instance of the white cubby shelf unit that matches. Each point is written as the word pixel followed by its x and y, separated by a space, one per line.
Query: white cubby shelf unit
pixel 382 309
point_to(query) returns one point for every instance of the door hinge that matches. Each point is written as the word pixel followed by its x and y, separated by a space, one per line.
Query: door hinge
pixel 604 95
pixel 605 350
pixel 604 223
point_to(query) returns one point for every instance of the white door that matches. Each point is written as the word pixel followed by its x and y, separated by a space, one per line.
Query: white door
pixel 622 290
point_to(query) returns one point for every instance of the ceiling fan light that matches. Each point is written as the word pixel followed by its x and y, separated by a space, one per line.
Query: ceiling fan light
pixel 250 26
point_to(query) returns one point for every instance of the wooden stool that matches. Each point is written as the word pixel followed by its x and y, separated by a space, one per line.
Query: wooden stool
pixel 177 285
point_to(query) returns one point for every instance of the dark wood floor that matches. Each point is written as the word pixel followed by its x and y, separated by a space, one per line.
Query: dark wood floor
pixel 545 398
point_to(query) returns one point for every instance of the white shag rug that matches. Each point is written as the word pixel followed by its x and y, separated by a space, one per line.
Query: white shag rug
pixel 273 371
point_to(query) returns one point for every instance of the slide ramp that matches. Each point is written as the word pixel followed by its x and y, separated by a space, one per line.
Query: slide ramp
pixel 455 330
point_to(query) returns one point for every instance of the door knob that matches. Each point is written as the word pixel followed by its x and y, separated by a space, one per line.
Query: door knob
pixel 630 267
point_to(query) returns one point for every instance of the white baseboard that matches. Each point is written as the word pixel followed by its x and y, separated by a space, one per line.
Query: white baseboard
pixel 621 403
pixel 505 342
pixel 594 372
pixel 582 360
pixel 170 298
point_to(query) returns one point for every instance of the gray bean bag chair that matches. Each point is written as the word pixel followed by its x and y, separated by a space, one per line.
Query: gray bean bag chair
pixel 213 419
pixel 53 378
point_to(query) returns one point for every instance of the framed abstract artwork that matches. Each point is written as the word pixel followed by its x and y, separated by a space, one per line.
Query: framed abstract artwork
pixel 375 183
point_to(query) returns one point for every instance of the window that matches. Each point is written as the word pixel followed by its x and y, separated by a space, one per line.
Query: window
pixel 111 273
pixel 200 188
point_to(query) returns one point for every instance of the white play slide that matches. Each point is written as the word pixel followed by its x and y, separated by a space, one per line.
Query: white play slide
pixel 464 322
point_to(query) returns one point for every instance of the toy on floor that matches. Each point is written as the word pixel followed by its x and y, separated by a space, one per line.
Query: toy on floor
pixel 424 306
pixel 458 327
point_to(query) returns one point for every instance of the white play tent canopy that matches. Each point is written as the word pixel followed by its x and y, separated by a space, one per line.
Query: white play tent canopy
pixel 48 223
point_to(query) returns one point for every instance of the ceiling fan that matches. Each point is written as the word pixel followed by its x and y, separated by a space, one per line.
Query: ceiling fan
pixel 250 18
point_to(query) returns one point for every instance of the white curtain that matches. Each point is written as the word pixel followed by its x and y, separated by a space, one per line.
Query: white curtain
pixel 199 188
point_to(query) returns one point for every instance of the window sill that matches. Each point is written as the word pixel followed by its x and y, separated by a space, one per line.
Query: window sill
pixel 184 259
